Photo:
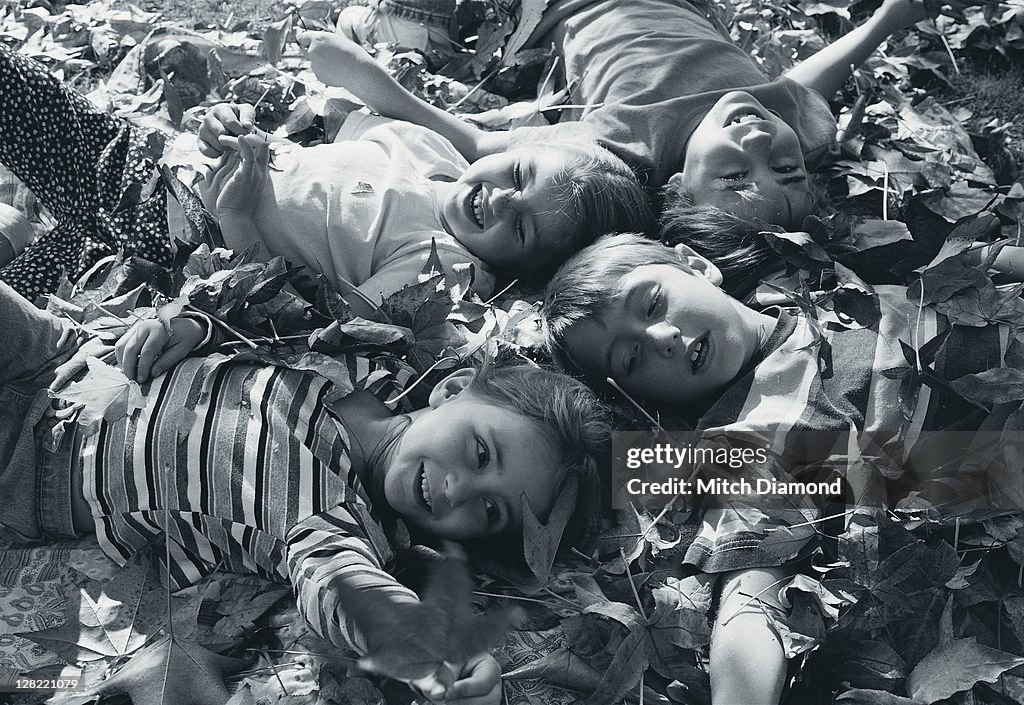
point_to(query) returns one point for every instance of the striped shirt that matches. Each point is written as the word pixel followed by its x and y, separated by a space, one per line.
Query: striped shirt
pixel 842 399
pixel 247 469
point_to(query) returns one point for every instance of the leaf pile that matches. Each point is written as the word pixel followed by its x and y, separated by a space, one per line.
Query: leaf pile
pixel 902 610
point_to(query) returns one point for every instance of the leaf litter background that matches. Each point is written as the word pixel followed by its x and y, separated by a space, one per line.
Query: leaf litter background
pixel 902 610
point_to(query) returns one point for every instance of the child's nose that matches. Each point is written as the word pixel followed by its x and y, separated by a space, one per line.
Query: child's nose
pixel 456 489
pixel 664 337
pixel 757 142
pixel 502 201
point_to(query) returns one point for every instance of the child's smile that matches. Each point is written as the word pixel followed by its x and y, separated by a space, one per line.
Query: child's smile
pixel 505 209
pixel 462 466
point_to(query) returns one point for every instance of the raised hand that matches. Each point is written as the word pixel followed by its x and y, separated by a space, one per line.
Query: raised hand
pixel 246 183
pixel 335 59
pixel 225 120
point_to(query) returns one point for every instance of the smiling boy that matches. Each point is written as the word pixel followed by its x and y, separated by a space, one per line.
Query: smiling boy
pixel 653 321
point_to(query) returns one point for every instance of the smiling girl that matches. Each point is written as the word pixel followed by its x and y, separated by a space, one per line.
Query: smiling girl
pixel 363 212
pixel 269 476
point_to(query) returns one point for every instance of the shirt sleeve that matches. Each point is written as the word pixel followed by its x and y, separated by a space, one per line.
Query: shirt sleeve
pixel 343 545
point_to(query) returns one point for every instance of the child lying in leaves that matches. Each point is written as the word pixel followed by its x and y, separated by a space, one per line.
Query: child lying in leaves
pixel 662 87
pixel 364 213
pixel 916 394
pixel 254 469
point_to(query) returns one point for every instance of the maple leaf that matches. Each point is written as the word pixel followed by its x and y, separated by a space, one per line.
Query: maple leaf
pixel 956 665
pixel 677 622
pixel 105 394
pixel 173 672
pixel 439 628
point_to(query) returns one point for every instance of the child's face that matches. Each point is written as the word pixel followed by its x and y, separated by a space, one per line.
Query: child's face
pixel 740 147
pixel 669 335
pixel 462 466
pixel 505 208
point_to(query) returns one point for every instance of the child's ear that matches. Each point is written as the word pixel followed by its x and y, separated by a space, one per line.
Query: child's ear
pixel 700 265
pixel 449 387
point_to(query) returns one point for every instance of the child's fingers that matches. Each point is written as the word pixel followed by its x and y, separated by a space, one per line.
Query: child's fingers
pixel 171 356
pixel 126 351
pixel 207 148
pixel 234 118
pixel 481 679
pixel 305 37
pixel 150 351
pixel 254 149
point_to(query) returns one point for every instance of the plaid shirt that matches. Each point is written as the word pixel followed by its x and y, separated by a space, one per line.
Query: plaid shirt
pixel 807 402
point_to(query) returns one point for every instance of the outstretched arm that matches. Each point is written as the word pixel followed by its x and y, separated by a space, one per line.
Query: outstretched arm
pixel 338 61
pixel 827 70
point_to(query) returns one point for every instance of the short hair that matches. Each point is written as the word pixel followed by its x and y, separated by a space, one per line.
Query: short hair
pixel 571 416
pixel 598 192
pixel 730 240
pixel 585 285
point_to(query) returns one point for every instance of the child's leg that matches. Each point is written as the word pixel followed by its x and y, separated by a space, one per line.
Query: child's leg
pixel 748 663
pixel 77 161
pixel 35 344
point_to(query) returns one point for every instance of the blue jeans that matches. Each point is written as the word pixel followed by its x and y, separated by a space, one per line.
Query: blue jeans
pixel 35 468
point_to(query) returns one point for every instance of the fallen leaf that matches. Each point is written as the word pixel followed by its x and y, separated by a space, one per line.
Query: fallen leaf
pixel 173 672
pixel 956 666
pixel 105 395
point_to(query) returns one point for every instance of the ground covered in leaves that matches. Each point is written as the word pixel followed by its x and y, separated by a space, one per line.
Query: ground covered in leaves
pixel 905 610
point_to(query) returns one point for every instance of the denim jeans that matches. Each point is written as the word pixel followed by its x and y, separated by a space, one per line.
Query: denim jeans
pixel 35 468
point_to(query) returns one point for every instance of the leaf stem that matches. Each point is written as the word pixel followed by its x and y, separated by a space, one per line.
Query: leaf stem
pixel 633 401
pixel 486 77
pixel 754 597
pixel 224 326
pixel 494 298
pixel 419 379
pixel 520 598
pixel 632 585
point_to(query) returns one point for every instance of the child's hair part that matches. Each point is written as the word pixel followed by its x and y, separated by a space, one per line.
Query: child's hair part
pixel 598 192
pixel 585 285
pixel 570 415
pixel 730 240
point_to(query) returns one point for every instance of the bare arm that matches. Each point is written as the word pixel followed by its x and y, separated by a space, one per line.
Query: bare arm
pixel 827 70
pixel 338 61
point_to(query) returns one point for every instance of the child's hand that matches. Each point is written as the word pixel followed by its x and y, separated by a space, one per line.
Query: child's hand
pixel 335 59
pixel 242 190
pixel 225 119
pixel 478 683
pixel 147 350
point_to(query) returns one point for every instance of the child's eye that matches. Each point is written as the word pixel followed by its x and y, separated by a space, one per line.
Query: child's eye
pixel 517 176
pixel 734 176
pixel 483 454
pixel 520 231
pixel 493 513
pixel 634 356
pixel 786 169
pixel 652 306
